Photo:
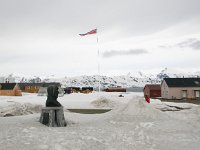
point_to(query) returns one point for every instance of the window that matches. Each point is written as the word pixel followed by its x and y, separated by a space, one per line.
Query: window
pixel 197 94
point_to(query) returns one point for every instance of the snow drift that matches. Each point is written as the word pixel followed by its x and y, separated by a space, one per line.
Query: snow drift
pixel 103 102
pixel 17 109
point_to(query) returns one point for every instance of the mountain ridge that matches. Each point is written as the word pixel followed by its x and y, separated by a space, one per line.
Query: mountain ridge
pixel 116 81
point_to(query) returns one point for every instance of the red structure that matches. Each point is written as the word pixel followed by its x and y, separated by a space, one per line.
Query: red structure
pixel 152 90
pixel 147 99
pixel 115 90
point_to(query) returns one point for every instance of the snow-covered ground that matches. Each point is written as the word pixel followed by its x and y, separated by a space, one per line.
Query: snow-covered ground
pixel 131 124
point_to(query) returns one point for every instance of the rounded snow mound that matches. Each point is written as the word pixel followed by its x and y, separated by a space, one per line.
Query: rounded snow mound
pixel 138 107
pixel 18 109
pixel 103 102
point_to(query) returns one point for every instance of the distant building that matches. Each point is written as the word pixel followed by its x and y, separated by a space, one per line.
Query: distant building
pixel 87 89
pixel 76 89
pixel 67 90
pixel 117 89
pixel 30 87
pixel 180 88
pixel 43 89
pixel 10 89
pixel 40 88
pixel 152 90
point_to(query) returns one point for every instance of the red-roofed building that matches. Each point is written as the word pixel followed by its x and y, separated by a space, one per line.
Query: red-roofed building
pixel 152 90
pixel 115 89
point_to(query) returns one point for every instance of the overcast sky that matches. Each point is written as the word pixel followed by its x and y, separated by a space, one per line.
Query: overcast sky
pixel 41 37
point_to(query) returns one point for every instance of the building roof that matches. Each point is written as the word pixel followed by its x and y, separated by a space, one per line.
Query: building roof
pixel 182 82
pixel 51 83
pixel 22 85
pixel 7 86
pixel 153 86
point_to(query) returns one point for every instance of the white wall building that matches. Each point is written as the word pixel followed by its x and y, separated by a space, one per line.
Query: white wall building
pixel 8 79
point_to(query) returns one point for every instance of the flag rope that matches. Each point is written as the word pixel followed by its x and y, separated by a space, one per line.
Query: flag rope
pixel 98 62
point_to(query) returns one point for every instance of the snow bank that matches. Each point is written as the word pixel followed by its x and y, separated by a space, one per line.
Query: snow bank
pixel 17 109
pixel 103 102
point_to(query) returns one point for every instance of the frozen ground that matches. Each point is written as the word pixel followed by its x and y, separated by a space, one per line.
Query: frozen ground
pixel 131 124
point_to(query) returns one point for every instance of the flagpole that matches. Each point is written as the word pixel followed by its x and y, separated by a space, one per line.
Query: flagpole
pixel 95 32
pixel 98 61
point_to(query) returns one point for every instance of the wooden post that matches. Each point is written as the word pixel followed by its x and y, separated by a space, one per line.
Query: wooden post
pixel 52 117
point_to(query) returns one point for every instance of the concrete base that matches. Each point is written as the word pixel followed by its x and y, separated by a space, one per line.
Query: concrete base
pixel 53 117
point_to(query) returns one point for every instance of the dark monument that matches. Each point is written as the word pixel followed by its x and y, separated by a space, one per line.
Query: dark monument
pixel 52 115
pixel 52 97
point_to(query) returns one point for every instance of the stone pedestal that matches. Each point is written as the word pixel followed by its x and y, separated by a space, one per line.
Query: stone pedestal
pixel 53 117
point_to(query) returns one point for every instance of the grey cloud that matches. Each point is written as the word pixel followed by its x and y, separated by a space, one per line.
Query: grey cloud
pixel 185 43
pixel 113 53
pixel 165 46
pixel 195 45
pixel 191 43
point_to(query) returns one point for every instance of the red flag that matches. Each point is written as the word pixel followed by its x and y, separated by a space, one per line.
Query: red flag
pixel 90 32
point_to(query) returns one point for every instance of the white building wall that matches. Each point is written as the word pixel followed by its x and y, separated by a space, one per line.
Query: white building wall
pixel 164 90
pixel 177 93
pixel 1 79
pixel 7 79
pixel 10 79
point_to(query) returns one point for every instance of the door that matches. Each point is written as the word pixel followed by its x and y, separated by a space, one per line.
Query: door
pixel 184 94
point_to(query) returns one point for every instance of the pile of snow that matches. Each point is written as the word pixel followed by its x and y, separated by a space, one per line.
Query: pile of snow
pixel 103 102
pixel 17 109
pixel 137 107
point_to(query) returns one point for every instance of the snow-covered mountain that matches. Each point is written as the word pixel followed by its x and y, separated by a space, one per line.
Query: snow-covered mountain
pixel 171 73
pixel 128 80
